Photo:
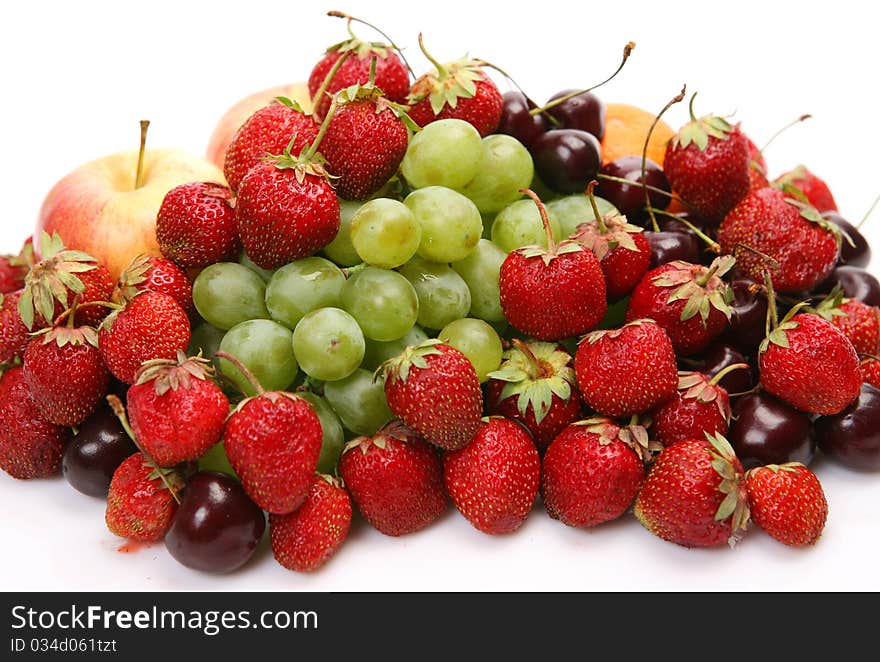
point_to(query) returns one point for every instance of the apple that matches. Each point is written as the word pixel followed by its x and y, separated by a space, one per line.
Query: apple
pixel 234 117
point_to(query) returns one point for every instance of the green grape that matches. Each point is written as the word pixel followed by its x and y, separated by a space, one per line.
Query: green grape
pixel 266 349
pixel 302 286
pixel 385 233
pixel 542 190
pixel 205 339
pixel 488 220
pixel 265 274
pixel 519 224
pixel 341 250
pixel 443 294
pixel 215 460
pixel 477 341
pixel 383 302
pixel 332 438
pixel 328 344
pixel 359 402
pixel 227 293
pixel 480 271
pixel 377 352
pixel 505 168
pixel 444 153
pixel 572 210
pixel 451 224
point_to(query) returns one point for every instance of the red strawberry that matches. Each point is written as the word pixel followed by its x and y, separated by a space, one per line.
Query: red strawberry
pixel 690 302
pixel 273 441
pixel 591 473
pixel 395 479
pixel 282 124
pixel 155 274
pixel 788 502
pixel 859 322
pixel 536 386
pixel 13 333
pixel 14 268
pixel 626 371
pixel 150 326
pixel 493 481
pixel 30 446
pixel 434 389
pixel 195 226
pixel 805 245
pixel 816 190
pixel 757 168
pixel 871 371
pixel 695 494
pixel 140 504
pixel 708 164
pixel 65 373
pixel 305 539
pixel 457 90
pixel 177 413
pixel 52 283
pixel 552 293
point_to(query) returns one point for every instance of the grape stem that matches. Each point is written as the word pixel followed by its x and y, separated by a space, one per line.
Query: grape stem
pixel 243 369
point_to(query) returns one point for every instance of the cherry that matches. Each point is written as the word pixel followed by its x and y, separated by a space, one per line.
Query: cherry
pixel 629 198
pixel 517 122
pixel 94 454
pixel 567 160
pixel 717 357
pixel 748 322
pixel 853 256
pixel 765 430
pixel 585 112
pixel 671 246
pixel 856 283
pixel 853 436
pixel 216 527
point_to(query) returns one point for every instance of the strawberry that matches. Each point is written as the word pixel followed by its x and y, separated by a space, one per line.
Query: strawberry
pixel 30 446
pixel 870 368
pixel 13 333
pixel 150 326
pixel 788 502
pixel 154 274
pixel 268 131
pixel 493 481
pixel 65 373
pixel 272 441
pixel 305 539
pixel 690 302
pixel 695 494
pixel 814 189
pixel 177 413
pixel 365 142
pixel 757 168
pixel 626 371
pixel 859 322
pixel 536 386
pixel 52 283
pixel 708 164
pixel 456 90
pixel 14 268
pixel 591 473
pixel 434 389
pixel 195 226
pixel 804 246
pixel 395 479
pixel 141 503
pixel 552 293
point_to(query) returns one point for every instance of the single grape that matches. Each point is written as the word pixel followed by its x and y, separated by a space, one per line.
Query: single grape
pixel 572 210
pixel 385 233
pixel 451 224
pixel 506 167
pixel 333 435
pixel 226 294
pixel 477 341
pixel 444 153
pixel 480 272
pixel 383 302
pixel 206 339
pixel 265 274
pixel 443 294
pixel 341 250
pixel 266 349
pixel 359 401
pixel 328 344
pixel 519 224
pixel 215 460
pixel 301 287
pixel 377 352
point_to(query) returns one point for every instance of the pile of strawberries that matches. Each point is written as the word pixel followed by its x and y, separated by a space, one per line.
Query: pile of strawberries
pixel 588 409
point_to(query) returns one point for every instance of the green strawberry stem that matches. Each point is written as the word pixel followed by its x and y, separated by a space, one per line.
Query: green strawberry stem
pixel 627 51
pixel 69 313
pixel 243 369
pixel 599 220
pixel 703 280
pixel 322 131
pixel 538 367
pixel 868 213
pixel 319 93
pixel 442 72
pixel 551 242
pixel 721 374
pixel 779 132
pixel 349 18
pixel 139 176
pixel 691 107
pixel 713 245
pixel 676 99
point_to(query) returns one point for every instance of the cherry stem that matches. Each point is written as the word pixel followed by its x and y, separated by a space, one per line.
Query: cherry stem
pixel 773 263
pixel 529 354
pixel 754 389
pixel 118 409
pixel 551 243
pixel 627 51
pixel 676 99
pixel 322 131
pixel 869 357
pixel 319 93
pixel 600 221
pixel 721 374
pixel 349 18
pixel 634 420
pixel 713 245
pixel 442 73
pixel 772 314
pixel 703 280
pixel 779 132
pixel 139 175
pixel 868 213
pixel 654 189
pixel 243 369
pixel 691 107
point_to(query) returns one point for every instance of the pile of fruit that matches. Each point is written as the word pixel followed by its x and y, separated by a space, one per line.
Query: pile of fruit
pixel 415 290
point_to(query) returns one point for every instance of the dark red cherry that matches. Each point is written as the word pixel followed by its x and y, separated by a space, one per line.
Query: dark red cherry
pixel 852 437
pixel 857 254
pixel 748 320
pixel 585 112
pixel 567 160
pixel 670 246
pixel 517 122
pixel 717 357
pixel 765 430
pixel 216 527
pixel 630 198
pixel 95 452
pixel 856 283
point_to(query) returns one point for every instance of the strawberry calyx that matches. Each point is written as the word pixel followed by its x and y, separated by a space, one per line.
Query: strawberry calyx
pixel 309 162
pixel 395 429
pixel 776 328
pixel 553 249
pixel 452 81
pixel 604 233
pixel 829 307
pixel 334 481
pixel 732 485
pixel 606 429
pixel 135 274
pixel 700 287
pixel 173 374
pixel 370 93
pixel 595 336
pixel 697 386
pixel 790 467
pixel 635 435
pixel 65 335
pixel 412 356
pixel 796 198
pixel 699 130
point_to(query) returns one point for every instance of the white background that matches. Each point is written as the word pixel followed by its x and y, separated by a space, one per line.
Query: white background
pixel 78 76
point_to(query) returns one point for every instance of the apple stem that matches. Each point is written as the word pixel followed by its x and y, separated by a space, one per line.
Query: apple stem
pixel 551 243
pixel 676 99
pixel 721 374
pixel 442 72
pixel 779 132
pixel 319 93
pixel 243 369
pixel 139 176
pixel 599 220
pixel 349 18
pixel 868 213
